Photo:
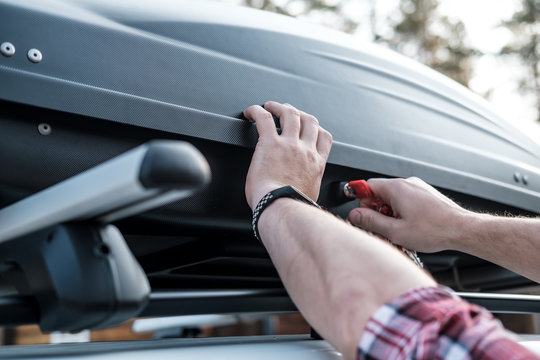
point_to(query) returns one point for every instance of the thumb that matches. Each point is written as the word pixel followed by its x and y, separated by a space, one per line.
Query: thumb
pixel 372 220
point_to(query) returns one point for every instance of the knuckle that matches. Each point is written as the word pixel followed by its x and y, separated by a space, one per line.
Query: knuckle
pixel 402 182
pixel 251 109
pixel 288 145
pixel 399 184
pixel 313 157
pixel 328 135
pixel 324 134
pixel 312 119
pixel 417 183
pixel 292 110
pixel 366 221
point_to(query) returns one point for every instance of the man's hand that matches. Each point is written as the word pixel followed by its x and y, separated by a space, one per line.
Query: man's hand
pixel 425 220
pixel 297 157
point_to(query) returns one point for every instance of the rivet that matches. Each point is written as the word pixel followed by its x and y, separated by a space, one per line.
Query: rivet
pixel 102 250
pixel 44 129
pixel 517 177
pixel 7 49
pixel 34 55
pixel 525 180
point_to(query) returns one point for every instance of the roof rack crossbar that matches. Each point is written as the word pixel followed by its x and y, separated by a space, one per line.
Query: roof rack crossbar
pixel 58 247
pixel 18 310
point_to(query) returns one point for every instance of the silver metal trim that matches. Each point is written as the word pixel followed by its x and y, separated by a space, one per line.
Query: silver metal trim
pixel 105 193
pixel 182 295
pixel 494 296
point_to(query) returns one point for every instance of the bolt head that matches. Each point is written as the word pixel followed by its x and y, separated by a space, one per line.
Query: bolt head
pixel 34 55
pixel 7 49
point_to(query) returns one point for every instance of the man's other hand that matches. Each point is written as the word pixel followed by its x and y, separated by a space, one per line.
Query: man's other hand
pixel 297 157
pixel 425 220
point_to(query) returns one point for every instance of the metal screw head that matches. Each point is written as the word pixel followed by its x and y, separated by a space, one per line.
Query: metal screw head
pixel 34 55
pixel 44 129
pixel 525 180
pixel 7 49
pixel 517 177
pixel 102 250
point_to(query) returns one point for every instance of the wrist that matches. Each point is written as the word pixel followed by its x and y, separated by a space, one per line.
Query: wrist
pixel 469 228
pixel 256 195
pixel 282 192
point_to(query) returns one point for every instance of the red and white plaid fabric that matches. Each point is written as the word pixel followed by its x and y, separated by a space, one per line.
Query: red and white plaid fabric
pixel 434 323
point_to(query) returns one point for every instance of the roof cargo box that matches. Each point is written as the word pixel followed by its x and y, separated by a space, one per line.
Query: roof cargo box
pixel 86 80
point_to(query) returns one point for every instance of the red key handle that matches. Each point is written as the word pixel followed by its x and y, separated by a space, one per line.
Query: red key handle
pixel 363 191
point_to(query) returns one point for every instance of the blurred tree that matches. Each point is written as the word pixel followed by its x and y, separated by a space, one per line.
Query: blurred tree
pixel 435 40
pixel 525 25
pixel 267 5
pixel 331 12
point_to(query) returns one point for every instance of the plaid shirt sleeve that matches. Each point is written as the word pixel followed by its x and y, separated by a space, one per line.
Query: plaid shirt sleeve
pixel 434 323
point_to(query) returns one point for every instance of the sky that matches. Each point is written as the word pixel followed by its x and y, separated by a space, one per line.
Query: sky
pixel 490 74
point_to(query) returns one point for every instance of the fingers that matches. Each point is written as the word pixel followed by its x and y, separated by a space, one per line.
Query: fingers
pixel 309 129
pixel 373 221
pixel 289 117
pixel 384 188
pixel 392 189
pixel 294 124
pixel 324 142
pixel 263 120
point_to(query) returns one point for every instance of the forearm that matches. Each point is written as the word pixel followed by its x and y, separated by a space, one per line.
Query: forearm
pixel 513 243
pixel 336 274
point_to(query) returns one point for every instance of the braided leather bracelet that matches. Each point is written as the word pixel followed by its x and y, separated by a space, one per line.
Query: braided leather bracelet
pixel 286 191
